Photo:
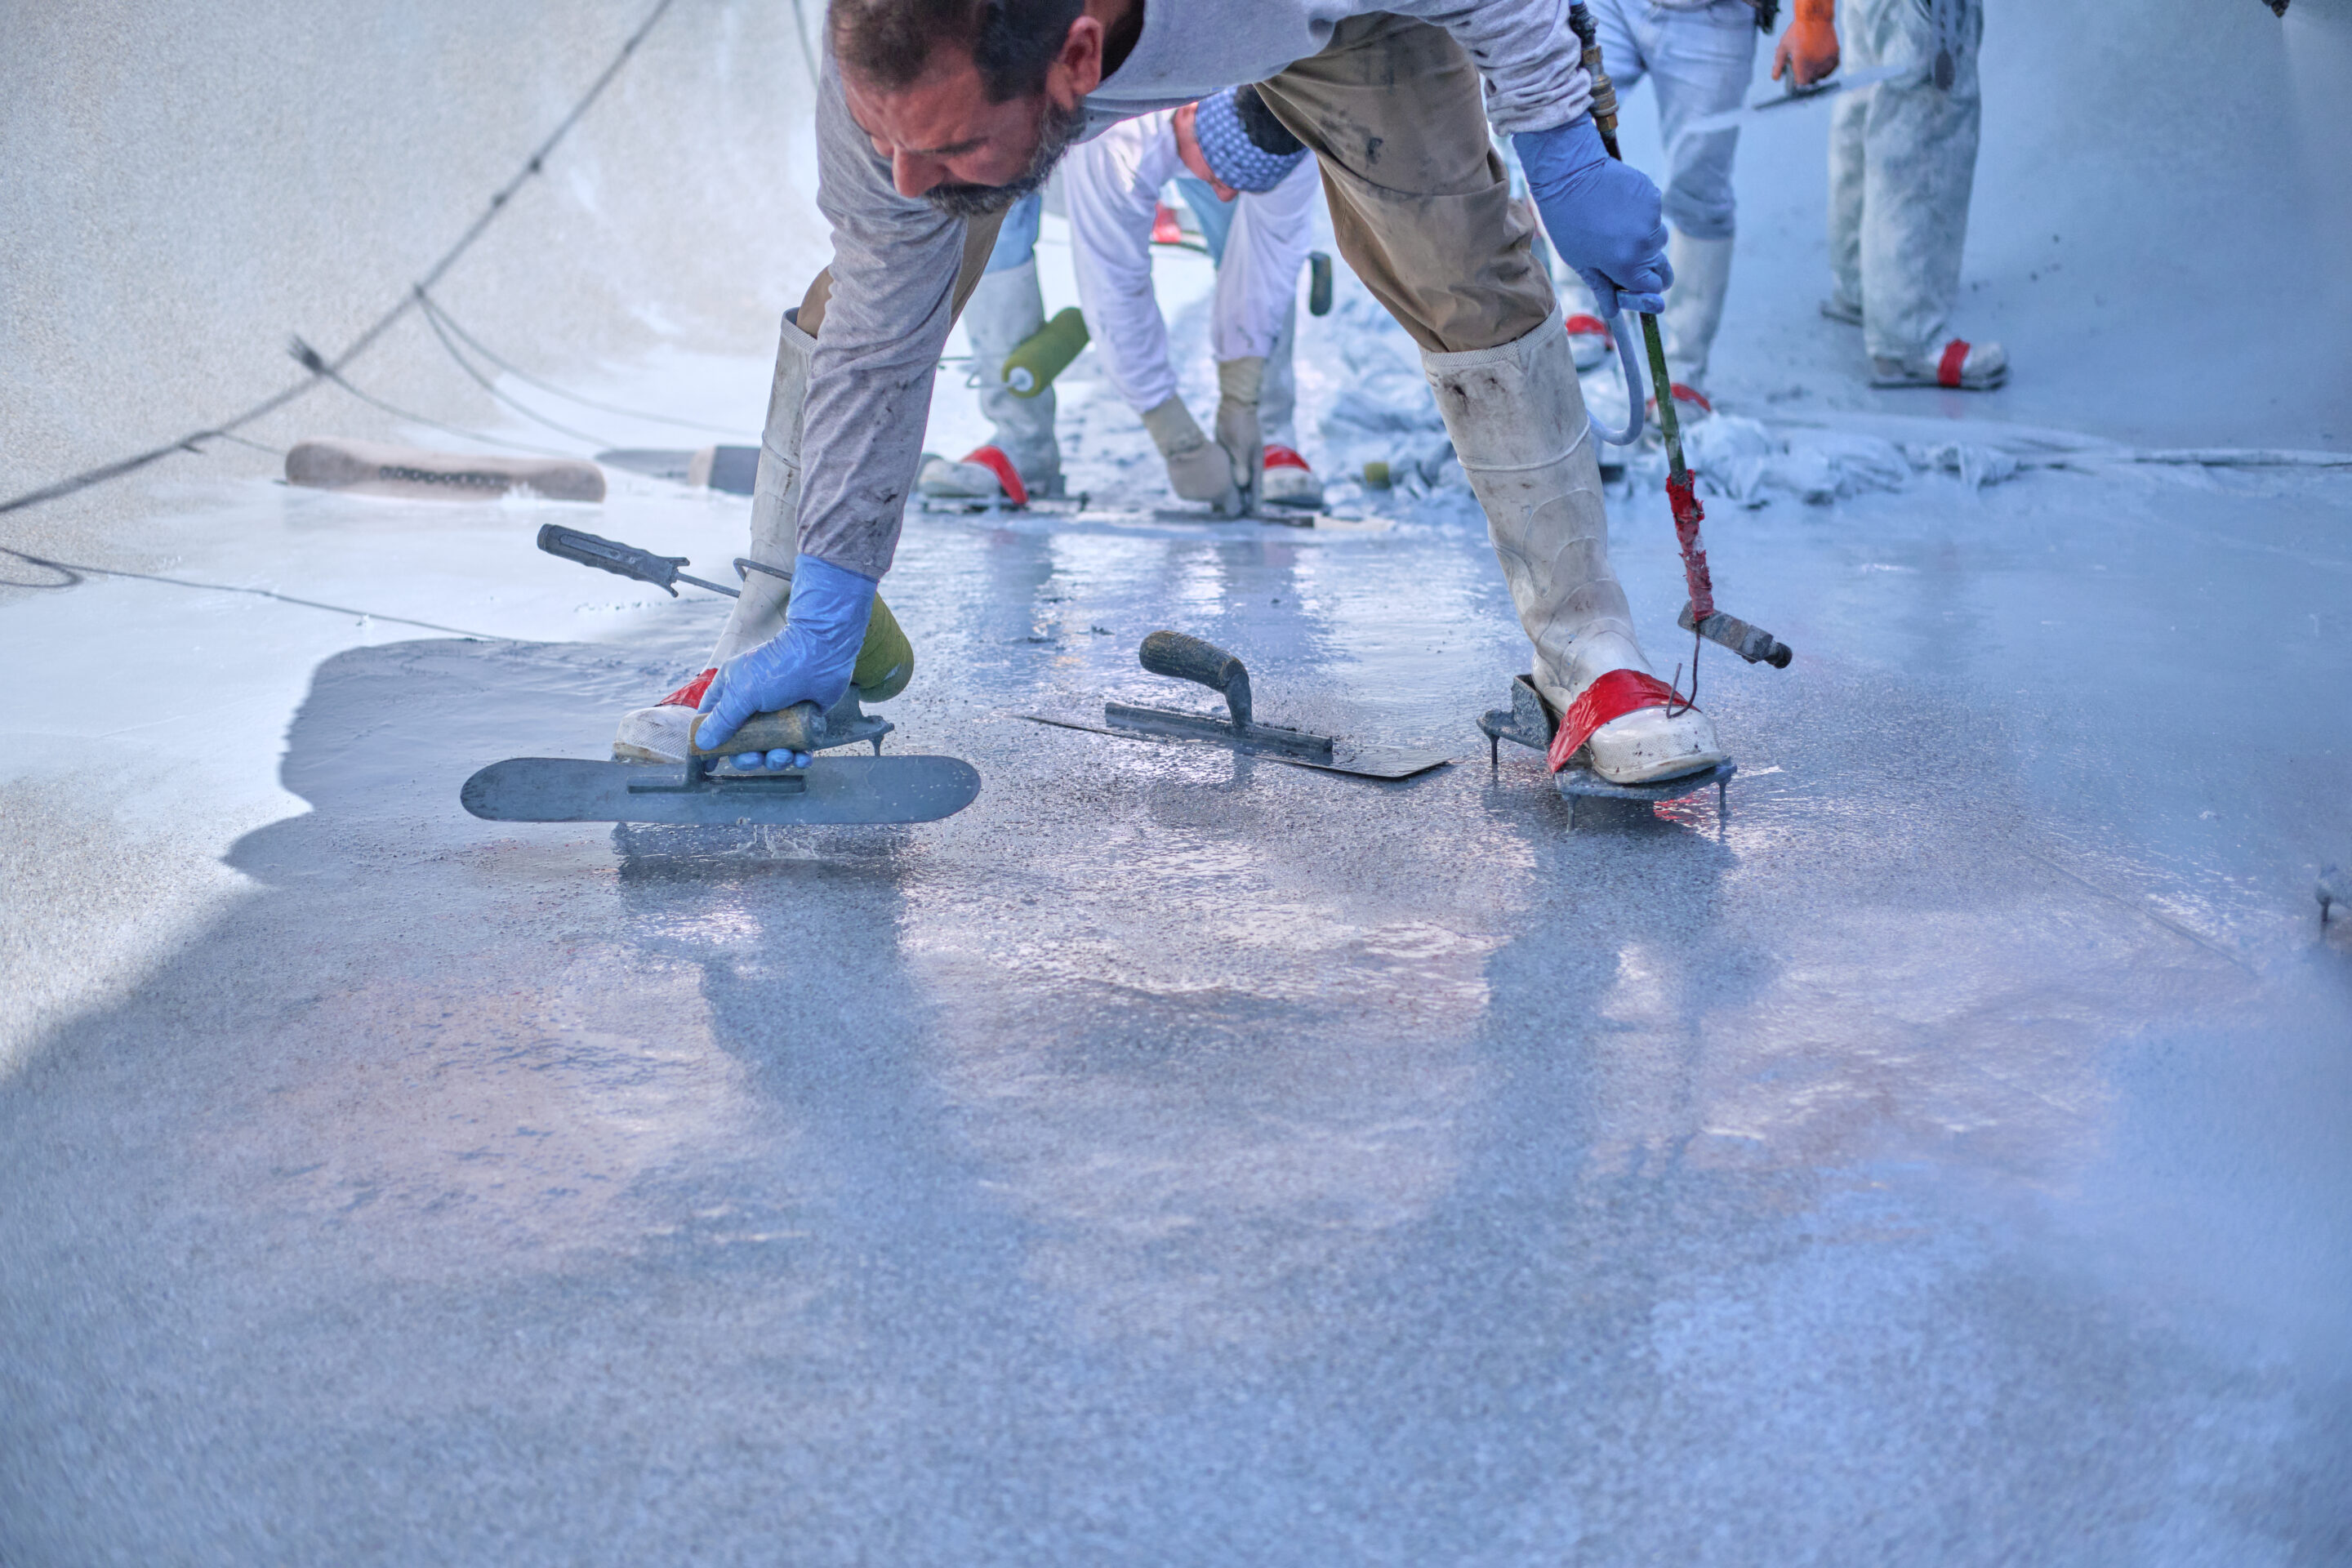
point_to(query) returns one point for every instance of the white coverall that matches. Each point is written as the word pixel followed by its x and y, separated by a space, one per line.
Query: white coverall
pixel 1903 159
pixel 1699 56
pixel 1111 187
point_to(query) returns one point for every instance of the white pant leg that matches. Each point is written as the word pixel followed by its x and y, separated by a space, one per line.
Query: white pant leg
pixel 1258 277
pixel 1277 402
pixel 1620 26
pixel 1848 116
pixel 1919 159
pixel 1112 186
pixel 1700 62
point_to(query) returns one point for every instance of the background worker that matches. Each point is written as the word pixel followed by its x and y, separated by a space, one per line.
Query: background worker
pixel 1253 187
pixel 1255 209
pixel 1698 57
pixel 1021 458
pixel 1902 163
pixel 937 116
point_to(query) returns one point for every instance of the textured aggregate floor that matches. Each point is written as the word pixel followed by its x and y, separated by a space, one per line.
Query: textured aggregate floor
pixel 1173 1159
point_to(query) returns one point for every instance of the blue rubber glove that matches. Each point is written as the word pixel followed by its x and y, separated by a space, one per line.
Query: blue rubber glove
pixel 808 661
pixel 1603 215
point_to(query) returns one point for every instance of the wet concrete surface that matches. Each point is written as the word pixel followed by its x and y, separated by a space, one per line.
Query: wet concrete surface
pixel 1182 1159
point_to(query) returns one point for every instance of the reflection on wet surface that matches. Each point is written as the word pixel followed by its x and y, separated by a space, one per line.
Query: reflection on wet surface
pixel 1176 1157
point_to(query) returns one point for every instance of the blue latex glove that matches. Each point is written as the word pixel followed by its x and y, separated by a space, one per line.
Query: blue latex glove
pixel 1603 215
pixel 808 661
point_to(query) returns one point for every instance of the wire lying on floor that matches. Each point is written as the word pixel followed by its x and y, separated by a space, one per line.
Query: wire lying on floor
pixel 439 317
pixel 328 369
pixel 74 572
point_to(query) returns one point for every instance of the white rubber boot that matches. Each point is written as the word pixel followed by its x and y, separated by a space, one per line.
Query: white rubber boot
pixel 1695 306
pixel 1005 310
pixel 1519 429
pixel 1287 481
pixel 659 733
pixel 1961 366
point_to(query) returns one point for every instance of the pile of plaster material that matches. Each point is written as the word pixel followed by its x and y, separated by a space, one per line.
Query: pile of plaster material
pixel 1383 423
pixel 368 468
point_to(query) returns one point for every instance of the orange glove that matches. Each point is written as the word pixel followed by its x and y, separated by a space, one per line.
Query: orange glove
pixel 1808 50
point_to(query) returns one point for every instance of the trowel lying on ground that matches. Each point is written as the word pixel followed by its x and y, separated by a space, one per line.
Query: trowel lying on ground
pixel 712 788
pixel 1186 657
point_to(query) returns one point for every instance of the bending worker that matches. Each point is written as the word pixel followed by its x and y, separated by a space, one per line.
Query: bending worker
pixel 936 116
pixel 1253 187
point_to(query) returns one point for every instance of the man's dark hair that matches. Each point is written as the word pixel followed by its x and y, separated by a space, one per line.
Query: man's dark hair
pixel 1014 42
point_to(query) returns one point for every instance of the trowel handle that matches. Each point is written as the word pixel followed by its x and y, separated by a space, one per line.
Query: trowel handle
pixel 610 555
pixel 1753 644
pixel 1185 658
pixel 800 728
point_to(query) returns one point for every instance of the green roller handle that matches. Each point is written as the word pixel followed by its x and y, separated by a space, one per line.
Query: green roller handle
pixel 1046 354
pixel 1318 283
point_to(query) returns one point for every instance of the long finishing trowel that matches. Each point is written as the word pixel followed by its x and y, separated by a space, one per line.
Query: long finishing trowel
pixel 711 788
pixel 1183 658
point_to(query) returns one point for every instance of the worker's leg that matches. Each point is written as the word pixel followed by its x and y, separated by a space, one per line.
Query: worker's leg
pixel 1394 112
pixel 1919 150
pixel 659 733
pixel 1420 204
pixel 1848 115
pixel 1257 292
pixel 1700 64
pixel 1006 309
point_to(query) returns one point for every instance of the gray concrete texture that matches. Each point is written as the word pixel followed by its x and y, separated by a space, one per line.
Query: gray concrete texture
pixel 1171 1158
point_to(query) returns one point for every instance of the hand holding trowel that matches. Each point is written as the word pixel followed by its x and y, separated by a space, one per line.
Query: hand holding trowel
pixel 768 769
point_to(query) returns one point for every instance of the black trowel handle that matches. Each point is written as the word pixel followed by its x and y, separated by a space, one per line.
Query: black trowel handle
pixel 1753 644
pixel 1190 658
pixel 610 555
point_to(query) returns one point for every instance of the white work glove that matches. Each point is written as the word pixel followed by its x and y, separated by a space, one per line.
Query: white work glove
pixel 1238 384
pixel 1197 468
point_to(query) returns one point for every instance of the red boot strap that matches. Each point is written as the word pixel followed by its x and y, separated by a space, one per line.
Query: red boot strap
pixel 997 463
pixel 1947 369
pixel 690 694
pixel 1284 457
pixel 1579 322
pixel 1692 395
pixel 1614 695
pixel 1165 229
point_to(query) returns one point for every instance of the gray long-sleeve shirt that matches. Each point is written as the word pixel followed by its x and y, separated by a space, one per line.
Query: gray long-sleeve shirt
pixel 896 257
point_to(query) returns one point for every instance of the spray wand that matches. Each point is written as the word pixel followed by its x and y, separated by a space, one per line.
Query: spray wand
pixel 1700 616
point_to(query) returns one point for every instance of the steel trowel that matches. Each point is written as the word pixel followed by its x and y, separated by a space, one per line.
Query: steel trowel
pixel 1182 657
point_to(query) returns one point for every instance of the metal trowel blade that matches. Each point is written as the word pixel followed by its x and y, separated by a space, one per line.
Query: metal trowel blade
pixel 1344 756
pixel 829 791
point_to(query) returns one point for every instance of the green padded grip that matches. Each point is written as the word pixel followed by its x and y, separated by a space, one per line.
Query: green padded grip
pixel 1046 354
pixel 886 660
pixel 1318 283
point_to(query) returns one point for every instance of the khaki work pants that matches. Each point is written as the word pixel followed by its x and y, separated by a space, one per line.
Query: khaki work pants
pixel 1395 115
